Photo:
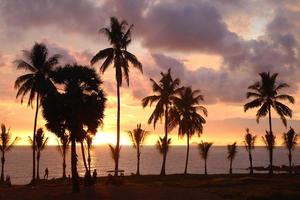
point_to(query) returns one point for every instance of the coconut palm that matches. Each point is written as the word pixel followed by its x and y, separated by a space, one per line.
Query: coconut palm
pixel 78 108
pixel 119 36
pixel 36 83
pixel 249 145
pixel 63 147
pixel 269 140
pixel 137 137
pixel 184 114
pixel 266 94
pixel 290 142
pixel 162 145
pixel 114 152
pixel 204 149
pixel 165 91
pixel 232 150
pixel 6 144
pixel 89 142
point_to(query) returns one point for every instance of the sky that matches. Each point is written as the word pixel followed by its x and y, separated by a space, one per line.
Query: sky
pixel 217 46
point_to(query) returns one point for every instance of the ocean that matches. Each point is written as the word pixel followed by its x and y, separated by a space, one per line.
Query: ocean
pixel 19 161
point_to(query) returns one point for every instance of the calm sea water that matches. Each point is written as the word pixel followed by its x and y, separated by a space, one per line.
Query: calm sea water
pixel 19 161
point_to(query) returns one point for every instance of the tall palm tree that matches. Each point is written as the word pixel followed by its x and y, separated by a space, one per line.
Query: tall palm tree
pixel 79 108
pixel 63 146
pixel 40 144
pixel 165 91
pixel 6 144
pixel 204 149
pixel 184 114
pixel 290 142
pixel 119 36
pixel 266 94
pixel 232 150
pixel 36 83
pixel 89 142
pixel 137 137
pixel 249 145
pixel 269 140
pixel 162 145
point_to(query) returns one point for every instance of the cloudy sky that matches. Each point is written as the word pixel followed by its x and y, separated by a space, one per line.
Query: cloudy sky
pixel 217 46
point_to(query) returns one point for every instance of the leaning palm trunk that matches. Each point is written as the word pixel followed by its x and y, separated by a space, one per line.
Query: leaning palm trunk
pixel 64 163
pixel 205 166
pixel 163 167
pixel 38 165
pixel 118 131
pixel 270 149
pixel 187 154
pixel 83 157
pixel 250 160
pixel 230 167
pixel 2 167
pixel 33 138
pixel 89 160
pixel 138 161
pixel 74 166
pixel 290 161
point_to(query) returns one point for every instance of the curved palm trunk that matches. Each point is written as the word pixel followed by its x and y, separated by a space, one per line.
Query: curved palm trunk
pixel 2 167
pixel 89 159
pixel 163 167
pixel 290 161
pixel 187 154
pixel 38 165
pixel 83 157
pixel 33 138
pixel 250 160
pixel 205 166
pixel 270 149
pixel 64 163
pixel 230 167
pixel 75 182
pixel 138 161
pixel 118 131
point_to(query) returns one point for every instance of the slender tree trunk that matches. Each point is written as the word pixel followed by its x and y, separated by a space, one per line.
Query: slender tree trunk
pixel 118 131
pixel 250 159
pixel 138 161
pixel 230 167
pixel 2 167
pixel 33 138
pixel 205 167
pixel 75 181
pixel 83 157
pixel 187 154
pixel 163 167
pixel 89 159
pixel 64 163
pixel 38 165
pixel 270 149
pixel 290 161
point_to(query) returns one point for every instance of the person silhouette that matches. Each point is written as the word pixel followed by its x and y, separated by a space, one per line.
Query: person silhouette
pixel 46 173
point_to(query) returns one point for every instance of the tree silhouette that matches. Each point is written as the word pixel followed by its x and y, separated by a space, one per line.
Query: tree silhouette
pixel 290 142
pixel 204 149
pixel 184 114
pixel 269 140
pixel 162 145
pixel 89 142
pixel 6 144
pixel 232 150
pixel 119 36
pixel 137 137
pixel 63 147
pixel 36 84
pixel 40 144
pixel 266 96
pixel 79 108
pixel 165 92
pixel 249 145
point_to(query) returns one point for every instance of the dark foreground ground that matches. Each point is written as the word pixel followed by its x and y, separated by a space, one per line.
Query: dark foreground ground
pixel 212 187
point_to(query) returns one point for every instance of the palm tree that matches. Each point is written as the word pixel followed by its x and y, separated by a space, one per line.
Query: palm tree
pixel 89 142
pixel 266 96
pixel 269 140
pixel 79 108
pixel 204 149
pixel 162 145
pixel 184 114
pixel 290 142
pixel 119 36
pixel 63 146
pixel 165 91
pixel 231 154
pixel 36 83
pixel 249 145
pixel 5 145
pixel 114 152
pixel 137 137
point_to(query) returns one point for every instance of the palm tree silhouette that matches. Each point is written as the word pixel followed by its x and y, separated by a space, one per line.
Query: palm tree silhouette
pixel 79 108
pixel 137 137
pixel 204 149
pixel 232 150
pixel 290 142
pixel 165 91
pixel 266 96
pixel 269 140
pixel 115 153
pixel 83 156
pixel 40 144
pixel 119 36
pixel 5 145
pixel 249 145
pixel 63 146
pixel 184 114
pixel 36 83
pixel 162 145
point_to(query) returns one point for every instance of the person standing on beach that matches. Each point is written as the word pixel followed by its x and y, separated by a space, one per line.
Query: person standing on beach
pixel 46 173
